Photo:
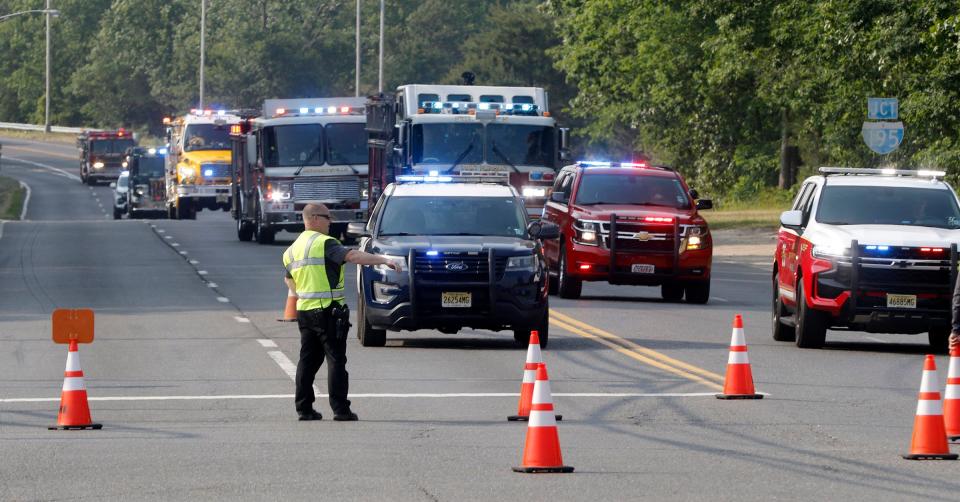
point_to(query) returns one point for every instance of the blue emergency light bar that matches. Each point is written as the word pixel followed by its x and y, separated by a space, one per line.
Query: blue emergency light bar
pixel 157 151
pixel 594 163
pixel 320 110
pixel 456 107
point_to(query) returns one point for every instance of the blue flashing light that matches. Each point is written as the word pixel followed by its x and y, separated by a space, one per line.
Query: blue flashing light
pixel 221 112
pixel 208 172
pixel 437 105
pixel 304 111
pixel 878 248
pixel 526 107
pixel 433 253
pixel 536 176
pixel 162 151
pixel 484 106
pixel 425 179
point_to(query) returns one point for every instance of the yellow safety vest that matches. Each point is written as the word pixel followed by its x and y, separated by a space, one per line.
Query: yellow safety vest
pixel 305 261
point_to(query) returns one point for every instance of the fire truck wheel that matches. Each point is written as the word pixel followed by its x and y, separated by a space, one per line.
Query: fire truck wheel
pixel 116 213
pixel 781 332
pixel 186 210
pixel 244 230
pixel 811 324
pixel 671 291
pixel 939 339
pixel 698 292
pixel 171 212
pixel 368 336
pixel 567 287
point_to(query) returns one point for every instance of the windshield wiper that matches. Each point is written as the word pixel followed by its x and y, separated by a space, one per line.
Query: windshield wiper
pixel 460 158
pixel 313 152
pixel 493 146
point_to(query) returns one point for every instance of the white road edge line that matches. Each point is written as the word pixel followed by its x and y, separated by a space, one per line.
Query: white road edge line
pixel 26 201
pixel 246 320
pixel 267 343
pixel 45 166
pixel 358 396
pixel 223 299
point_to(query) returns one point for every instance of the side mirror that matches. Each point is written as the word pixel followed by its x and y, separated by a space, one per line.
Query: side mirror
pixel 559 197
pixel 356 229
pixel 694 194
pixel 113 184
pixel 704 204
pixel 791 219
pixel 543 230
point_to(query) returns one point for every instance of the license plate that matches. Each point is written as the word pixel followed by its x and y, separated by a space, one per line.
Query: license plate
pixel 222 197
pixel 456 300
pixel 901 301
pixel 282 207
pixel 641 268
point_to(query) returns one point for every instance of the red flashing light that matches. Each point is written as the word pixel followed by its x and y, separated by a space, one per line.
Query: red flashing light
pixel 586 266
pixel 547 176
pixel 281 111
pixel 657 219
pixel 931 250
pixel 344 109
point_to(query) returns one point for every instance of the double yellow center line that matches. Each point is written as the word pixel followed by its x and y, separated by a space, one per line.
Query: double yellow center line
pixel 640 353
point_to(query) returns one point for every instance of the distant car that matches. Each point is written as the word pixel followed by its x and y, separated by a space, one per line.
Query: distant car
pixel 147 190
pixel 469 256
pixel 628 223
pixel 867 250
pixel 121 189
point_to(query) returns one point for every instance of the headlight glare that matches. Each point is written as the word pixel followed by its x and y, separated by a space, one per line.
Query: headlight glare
pixel 400 260
pixel 529 191
pixel 522 263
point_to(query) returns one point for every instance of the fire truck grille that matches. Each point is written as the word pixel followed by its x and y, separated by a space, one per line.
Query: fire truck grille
pixel 327 190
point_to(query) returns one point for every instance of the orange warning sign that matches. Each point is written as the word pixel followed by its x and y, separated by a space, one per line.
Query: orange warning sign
pixel 72 324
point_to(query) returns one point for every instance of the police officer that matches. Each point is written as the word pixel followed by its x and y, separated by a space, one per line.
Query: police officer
pixel 314 264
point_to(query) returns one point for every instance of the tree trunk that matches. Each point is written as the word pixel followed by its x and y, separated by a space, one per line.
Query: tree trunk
pixel 786 166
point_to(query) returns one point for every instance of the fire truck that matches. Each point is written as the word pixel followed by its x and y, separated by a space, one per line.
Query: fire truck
pixel 299 151
pixel 466 130
pixel 101 154
pixel 198 163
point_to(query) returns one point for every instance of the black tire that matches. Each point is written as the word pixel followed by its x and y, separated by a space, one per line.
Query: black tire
pixel 244 230
pixel 671 291
pixel 939 339
pixel 567 287
pixel 368 336
pixel 698 292
pixel 263 234
pixel 184 210
pixel 171 212
pixel 116 213
pixel 522 335
pixel 811 324
pixel 781 332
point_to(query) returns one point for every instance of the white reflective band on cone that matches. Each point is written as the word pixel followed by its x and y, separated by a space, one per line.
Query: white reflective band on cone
pixel 530 376
pixel 954 369
pixel 533 353
pixel 73 383
pixel 929 382
pixel 541 393
pixel 952 392
pixel 738 358
pixel 542 419
pixel 929 407
pixel 73 361
pixel 737 339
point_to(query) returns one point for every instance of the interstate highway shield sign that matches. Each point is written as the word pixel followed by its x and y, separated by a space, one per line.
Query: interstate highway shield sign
pixel 882 137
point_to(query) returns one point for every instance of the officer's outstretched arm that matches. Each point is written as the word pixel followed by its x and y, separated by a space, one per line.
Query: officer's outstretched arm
pixel 361 258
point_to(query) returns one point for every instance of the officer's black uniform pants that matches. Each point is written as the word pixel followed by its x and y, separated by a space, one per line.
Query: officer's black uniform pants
pixel 315 344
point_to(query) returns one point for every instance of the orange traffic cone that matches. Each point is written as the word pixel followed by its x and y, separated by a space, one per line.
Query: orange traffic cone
pixel 74 411
pixel 290 311
pixel 541 453
pixel 739 381
pixel 529 379
pixel 951 398
pixel 929 434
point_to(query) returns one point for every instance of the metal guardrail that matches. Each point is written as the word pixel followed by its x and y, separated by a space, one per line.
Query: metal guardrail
pixel 32 127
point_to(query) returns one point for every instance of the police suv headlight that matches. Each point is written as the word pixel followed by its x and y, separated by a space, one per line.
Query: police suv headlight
pixel 586 232
pixel 529 191
pixel 400 260
pixel 98 165
pixel 522 263
pixel 828 251
pixel 384 292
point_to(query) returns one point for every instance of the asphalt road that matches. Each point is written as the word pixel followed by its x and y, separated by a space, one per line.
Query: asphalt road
pixel 189 376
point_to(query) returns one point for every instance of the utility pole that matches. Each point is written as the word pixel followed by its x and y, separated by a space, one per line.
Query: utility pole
pixel 46 107
pixel 380 71
pixel 356 84
pixel 203 27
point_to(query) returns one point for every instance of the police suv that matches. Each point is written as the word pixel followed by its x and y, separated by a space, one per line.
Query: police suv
pixel 469 259
pixel 867 250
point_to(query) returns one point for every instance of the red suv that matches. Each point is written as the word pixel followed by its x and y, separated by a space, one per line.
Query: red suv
pixel 661 240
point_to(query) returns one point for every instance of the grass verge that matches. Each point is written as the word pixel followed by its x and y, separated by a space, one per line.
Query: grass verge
pixel 743 218
pixel 11 198
pixel 53 137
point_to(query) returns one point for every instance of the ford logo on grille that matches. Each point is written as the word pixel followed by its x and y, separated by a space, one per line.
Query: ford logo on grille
pixel 456 266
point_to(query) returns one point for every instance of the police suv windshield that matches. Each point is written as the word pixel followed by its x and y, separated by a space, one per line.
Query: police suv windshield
pixel 633 189
pixel 102 146
pixel 206 137
pixel 873 205
pixel 488 216
pixel 293 145
pixel 346 143
pixel 446 143
pixel 518 145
